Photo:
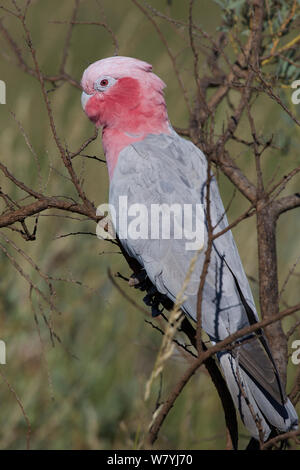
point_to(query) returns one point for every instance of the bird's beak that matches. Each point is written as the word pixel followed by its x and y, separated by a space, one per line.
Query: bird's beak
pixel 90 105
pixel 84 99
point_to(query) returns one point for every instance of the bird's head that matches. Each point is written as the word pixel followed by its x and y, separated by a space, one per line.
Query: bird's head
pixel 124 93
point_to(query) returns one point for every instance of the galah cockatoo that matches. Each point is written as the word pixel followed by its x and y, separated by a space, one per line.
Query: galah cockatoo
pixel 149 163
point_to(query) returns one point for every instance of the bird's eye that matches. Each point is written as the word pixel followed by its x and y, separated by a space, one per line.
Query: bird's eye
pixel 102 83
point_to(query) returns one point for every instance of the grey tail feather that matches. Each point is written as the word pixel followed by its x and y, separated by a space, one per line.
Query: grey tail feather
pixel 259 410
pixel 259 333
pixel 269 403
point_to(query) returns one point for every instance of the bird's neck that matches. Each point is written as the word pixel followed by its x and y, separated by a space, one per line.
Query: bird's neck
pixel 132 127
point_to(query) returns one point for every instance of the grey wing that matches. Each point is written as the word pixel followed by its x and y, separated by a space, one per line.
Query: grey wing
pixel 170 170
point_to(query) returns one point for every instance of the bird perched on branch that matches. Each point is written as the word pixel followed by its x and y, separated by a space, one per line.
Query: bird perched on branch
pixel 149 165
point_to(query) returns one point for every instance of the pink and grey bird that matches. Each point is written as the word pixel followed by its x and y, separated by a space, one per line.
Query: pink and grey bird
pixel 149 163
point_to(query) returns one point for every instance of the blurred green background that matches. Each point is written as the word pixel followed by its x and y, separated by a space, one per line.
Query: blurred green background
pixel 96 401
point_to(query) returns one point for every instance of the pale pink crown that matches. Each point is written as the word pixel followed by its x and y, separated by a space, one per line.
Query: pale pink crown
pixel 118 67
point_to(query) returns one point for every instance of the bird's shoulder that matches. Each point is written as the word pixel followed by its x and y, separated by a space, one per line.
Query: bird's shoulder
pixel 162 162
